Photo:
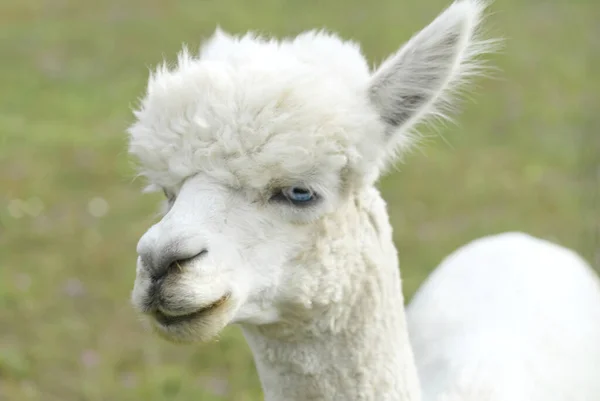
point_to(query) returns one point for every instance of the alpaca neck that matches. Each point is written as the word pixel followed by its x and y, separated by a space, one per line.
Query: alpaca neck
pixel 369 360
pixel 355 348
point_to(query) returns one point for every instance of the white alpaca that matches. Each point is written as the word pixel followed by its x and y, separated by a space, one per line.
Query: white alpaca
pixel 268 152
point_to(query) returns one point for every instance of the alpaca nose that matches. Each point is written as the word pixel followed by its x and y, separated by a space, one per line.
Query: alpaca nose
pixel 163 255
pixel 170 260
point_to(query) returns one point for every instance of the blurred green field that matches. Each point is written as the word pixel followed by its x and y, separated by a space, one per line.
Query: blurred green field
pixel 523 156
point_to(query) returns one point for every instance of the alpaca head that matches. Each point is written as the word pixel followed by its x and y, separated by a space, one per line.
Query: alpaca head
pixel 263 149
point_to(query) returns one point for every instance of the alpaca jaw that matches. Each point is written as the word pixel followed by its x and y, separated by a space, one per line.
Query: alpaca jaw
pixel 204 323
pixel 168 317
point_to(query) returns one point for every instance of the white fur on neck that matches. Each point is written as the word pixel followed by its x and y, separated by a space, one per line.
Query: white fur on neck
pixel 358 349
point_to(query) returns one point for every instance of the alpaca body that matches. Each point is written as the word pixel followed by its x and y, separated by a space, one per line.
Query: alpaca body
pixel 508 317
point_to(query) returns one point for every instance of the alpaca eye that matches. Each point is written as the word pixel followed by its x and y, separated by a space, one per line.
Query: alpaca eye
pixel 296 195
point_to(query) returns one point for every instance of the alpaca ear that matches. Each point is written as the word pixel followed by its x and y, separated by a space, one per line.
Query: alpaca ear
pixel 413 83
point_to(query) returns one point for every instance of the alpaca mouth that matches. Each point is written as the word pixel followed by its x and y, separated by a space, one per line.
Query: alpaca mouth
pixel 169 320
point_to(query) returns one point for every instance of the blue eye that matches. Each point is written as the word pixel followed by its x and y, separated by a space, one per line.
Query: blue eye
pixel 298 195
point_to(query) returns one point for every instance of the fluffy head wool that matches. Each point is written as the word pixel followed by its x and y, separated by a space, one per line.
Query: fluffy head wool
pixel 252 111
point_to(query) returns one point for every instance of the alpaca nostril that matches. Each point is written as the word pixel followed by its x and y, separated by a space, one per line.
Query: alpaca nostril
pixel 174 264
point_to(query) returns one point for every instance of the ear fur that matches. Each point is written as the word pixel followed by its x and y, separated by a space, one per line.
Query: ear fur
pixel 419 80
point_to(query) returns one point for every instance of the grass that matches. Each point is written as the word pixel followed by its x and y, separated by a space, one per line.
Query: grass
pixel 524 156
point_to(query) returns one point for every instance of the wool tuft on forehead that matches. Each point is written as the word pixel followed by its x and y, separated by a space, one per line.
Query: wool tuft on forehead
pixel 250 110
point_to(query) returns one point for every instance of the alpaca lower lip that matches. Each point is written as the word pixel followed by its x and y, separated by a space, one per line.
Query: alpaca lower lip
pixel 167 320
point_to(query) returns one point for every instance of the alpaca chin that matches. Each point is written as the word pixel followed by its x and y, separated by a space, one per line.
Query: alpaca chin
pixel 201 327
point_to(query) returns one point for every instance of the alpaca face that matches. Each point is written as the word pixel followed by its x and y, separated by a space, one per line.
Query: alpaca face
pixel 267 152
pixel 221 255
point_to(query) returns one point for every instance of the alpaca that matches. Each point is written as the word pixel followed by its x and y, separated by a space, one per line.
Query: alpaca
pixel 508 317
pixel 268 153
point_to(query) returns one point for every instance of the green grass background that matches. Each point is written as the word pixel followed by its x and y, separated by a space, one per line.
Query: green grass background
pixel 523 156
